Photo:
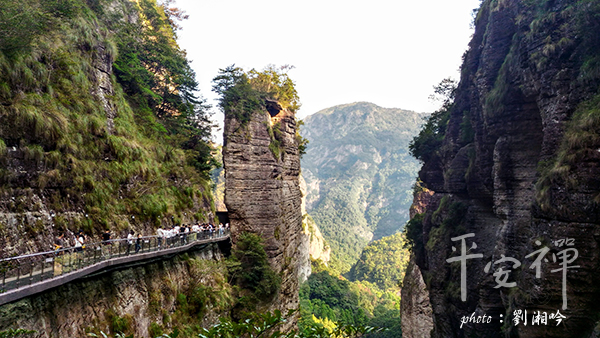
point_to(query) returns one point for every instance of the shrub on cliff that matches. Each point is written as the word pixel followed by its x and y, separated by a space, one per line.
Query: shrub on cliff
pixel 429 140
pixel 111 145
pixel 15 333
pixel 249 268
pixel 242 93
pixel 414 233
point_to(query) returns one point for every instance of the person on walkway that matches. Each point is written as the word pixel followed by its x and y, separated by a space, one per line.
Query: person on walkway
pixel 79 246
pixel 138 243
pixel 106 237
pixel 105 242
pixel 62 256
pixel 182 234
pixel 59 242
pixel 129 241
pixel 79 241
pixel 160 234
pixel 169 234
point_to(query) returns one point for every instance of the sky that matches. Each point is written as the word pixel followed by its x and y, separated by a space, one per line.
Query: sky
pixel 388 52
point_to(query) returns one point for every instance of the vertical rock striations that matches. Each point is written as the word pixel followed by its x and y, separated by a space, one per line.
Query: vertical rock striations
pixel 262 192
pixel 519 164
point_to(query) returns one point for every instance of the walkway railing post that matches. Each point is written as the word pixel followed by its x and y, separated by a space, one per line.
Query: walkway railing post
pixel 31 273
pixel 18 276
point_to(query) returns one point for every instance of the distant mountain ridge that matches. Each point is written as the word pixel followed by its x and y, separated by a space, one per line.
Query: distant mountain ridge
pixel 359 174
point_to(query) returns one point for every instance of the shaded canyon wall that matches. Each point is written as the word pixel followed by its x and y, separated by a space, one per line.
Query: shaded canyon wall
pixel 518 168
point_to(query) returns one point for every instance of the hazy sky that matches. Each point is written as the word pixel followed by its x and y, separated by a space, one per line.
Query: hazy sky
pixel 387 52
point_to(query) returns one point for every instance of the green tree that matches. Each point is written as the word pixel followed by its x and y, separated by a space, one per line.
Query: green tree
pixel 249 268
pixel 427 143
pixel 382 262
pixel 237 96
pixel 241 93
pixel 244 93
pixel 160 83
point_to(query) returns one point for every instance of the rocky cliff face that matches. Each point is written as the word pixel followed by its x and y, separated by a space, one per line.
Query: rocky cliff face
pixel 77 151
pixel 138 300
pixel 318 248
pixel 518 168
pixel 262 193
pixel 417 320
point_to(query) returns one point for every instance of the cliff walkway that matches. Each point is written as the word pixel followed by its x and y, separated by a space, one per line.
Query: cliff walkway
pixel 26 275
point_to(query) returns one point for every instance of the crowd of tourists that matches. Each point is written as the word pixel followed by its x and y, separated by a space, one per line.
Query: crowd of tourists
pixel 170 236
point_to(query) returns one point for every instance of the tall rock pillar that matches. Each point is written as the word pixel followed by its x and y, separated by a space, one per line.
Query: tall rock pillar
pixel 262 192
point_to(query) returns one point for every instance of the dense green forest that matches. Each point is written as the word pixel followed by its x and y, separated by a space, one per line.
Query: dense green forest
pixel 101 104
pixel 370 296
pixel 359 175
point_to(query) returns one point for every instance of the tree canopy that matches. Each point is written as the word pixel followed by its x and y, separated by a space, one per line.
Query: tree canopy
pixel 242 93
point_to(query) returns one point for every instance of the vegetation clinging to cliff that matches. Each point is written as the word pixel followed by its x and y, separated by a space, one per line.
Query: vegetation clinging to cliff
pixel 578 148
pixel 242 93
pixel 160 83
pixel 249 268
pixel 429 140
pixel 112 146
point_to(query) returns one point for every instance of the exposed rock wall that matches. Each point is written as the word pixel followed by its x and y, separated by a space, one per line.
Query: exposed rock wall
pixel 262 193
pixel 43 190
pixel 417 321
pixel 141 295
pixel 318 248
pixel 507 173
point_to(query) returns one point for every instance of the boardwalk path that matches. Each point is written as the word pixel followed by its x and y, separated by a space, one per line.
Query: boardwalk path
pixel 26 275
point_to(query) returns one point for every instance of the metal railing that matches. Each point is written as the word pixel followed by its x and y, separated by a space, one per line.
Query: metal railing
pixel 16 272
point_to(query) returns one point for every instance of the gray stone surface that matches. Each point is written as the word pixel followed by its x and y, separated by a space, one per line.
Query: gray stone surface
pixel 417 320
pixel 263 196
pixel 520 97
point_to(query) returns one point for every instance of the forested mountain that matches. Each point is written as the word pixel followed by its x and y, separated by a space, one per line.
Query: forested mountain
pixel 359 174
